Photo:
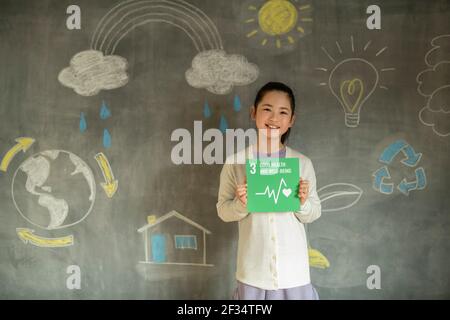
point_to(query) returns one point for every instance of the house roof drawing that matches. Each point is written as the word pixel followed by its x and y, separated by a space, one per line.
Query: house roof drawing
pixel 175 214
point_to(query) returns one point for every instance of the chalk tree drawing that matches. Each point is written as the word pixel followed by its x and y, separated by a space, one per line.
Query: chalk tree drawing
pixel 212 68
pixel 51 179
pixel 157 244
pixel 277 24
pixel 434 84
pixel 352 80
pixel 339 196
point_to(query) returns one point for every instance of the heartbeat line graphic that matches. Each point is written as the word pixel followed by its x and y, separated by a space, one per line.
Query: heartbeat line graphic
pixel 271 193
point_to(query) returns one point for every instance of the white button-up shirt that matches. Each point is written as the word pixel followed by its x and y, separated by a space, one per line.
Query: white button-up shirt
pixel 272 249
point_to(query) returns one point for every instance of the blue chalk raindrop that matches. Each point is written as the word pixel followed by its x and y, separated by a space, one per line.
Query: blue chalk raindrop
pixel 106 139
pixel 223 124
pixel 206 110
pixel 83 124
pixel 104 111
pixel 237 103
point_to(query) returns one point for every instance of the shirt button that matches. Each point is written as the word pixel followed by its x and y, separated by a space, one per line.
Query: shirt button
pixel 274 257
pixel 271 219
pixel 273 238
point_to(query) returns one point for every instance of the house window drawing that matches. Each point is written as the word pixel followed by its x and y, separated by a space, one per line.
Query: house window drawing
pixel 173 239
pixel 185 242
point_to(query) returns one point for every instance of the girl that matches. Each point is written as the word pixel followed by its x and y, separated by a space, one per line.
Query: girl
pixel 272 259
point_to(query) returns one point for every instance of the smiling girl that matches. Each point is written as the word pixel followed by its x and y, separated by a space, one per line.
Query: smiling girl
pixel 272 258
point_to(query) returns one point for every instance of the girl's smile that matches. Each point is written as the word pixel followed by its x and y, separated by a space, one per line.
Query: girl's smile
pixel 273 115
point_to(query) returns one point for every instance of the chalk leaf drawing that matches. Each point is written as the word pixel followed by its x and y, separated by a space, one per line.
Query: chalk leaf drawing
pixel 164 244
pixel 212 68
pixel 434 84
pixel 339 196
pixel 352 80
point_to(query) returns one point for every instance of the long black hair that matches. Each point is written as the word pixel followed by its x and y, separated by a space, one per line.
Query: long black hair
pixel 277 86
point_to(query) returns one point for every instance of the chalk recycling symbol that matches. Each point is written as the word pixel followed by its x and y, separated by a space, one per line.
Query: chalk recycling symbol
pixel 411 160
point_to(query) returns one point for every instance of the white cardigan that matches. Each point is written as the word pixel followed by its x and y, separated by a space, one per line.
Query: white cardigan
pixel 272 249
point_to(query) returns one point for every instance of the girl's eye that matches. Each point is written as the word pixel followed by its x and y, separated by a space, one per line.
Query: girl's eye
pixel 266 109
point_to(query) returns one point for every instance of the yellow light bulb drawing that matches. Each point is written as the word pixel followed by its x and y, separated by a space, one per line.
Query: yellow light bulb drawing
pixel 352 82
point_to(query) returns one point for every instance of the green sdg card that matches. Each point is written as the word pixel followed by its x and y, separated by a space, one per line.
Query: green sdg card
pixel 272 185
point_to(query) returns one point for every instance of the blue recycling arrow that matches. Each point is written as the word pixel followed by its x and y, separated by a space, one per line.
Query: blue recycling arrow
pixel 391 151
pixel 412 158
pixel 379 175
pixel 405 187
pixel 420 178
pixel 419 184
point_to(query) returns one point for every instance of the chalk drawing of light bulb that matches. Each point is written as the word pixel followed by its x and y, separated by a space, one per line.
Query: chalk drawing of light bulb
pixel 352 80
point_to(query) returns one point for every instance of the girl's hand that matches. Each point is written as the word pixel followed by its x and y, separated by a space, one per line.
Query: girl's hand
pixel 241 193
pixel 303 190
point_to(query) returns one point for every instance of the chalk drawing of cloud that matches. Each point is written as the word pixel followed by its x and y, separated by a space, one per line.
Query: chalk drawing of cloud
pixel 218 72
pixel 434 84
pixel 90 72
pixel 436 113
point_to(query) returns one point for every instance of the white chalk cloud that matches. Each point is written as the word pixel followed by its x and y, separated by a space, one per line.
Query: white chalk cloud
pixel 90 72
pixel 218 72
pixel 434 84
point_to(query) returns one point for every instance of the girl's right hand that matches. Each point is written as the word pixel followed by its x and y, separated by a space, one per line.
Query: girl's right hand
pixel 241 193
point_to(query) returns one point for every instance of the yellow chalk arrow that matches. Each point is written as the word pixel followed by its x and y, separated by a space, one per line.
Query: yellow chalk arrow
pixel 27 235
pixel 317 259
pixel 110 185
pixel 23 144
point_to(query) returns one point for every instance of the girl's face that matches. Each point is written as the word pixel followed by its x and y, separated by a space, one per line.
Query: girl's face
pixel 273 113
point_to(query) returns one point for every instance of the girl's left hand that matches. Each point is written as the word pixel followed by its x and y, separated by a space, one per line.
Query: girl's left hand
pixel 303 190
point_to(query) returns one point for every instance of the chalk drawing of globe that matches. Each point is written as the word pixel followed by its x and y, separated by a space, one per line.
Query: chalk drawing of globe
pixel 53 189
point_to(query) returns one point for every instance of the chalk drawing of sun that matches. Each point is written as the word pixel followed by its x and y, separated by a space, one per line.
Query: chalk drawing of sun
pixel 277 24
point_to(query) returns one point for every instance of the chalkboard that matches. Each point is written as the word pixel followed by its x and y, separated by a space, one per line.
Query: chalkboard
pixel 93 205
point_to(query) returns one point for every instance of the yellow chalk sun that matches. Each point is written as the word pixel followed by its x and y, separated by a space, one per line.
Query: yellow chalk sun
pixel 277 17
pixel 280 19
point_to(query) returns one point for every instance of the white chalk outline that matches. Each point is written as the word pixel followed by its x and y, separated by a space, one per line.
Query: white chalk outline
pixel 200 19
pixel 335 194
pixel 173 213
pixel 429 97
pixel 93 191
pixel 353 117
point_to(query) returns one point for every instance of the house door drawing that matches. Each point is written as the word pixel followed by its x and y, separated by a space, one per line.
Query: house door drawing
pixel 158 242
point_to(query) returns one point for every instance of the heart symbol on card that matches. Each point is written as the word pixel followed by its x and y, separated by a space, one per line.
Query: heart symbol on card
pixel 287 192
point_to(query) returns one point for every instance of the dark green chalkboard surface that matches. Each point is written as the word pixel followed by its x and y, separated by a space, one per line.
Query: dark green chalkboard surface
pixel 93 205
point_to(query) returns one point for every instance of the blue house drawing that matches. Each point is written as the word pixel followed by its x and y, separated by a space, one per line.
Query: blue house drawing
pixel 174 239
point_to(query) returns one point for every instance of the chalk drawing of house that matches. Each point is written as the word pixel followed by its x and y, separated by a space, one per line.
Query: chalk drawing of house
pixel 175 240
